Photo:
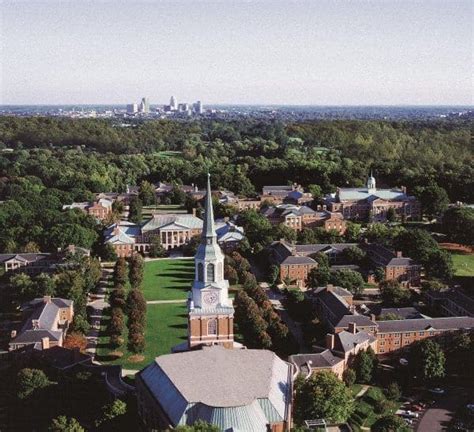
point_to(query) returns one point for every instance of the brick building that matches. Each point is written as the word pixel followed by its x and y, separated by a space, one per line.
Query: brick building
pixel 100 209
pixel 373 204
pixel 292 194
pixel 394 264
pixel 299 217
pixel 46 325
pixel 452 302
pixel 338 354
pixel 173 230
pixel 396 335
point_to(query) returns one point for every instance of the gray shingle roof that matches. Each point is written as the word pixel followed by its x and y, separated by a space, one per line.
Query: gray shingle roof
pixel 408 325
pixel 232 388
pixel 346 341
pixel 405 313
pixel 324 359
pixel 359 320
pixel 25 257
pixel 298 260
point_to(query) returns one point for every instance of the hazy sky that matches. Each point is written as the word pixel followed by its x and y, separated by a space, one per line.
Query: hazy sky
pixel 250 52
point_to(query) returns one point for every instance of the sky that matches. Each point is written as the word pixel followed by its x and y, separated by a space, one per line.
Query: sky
pixel 317 52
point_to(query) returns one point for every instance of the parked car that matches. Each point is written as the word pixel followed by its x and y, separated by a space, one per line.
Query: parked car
pixel 437 391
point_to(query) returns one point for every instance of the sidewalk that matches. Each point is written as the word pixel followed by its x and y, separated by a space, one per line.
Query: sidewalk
pixel 98 305
pixel 166 301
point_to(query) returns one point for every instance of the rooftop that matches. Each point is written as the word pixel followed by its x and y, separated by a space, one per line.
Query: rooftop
pixel 449 323
pixel 214 382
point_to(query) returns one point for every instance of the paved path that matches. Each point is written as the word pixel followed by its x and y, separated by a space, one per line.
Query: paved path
pixel 98 304
pixel 362 391
pixel 294 327
pixel 126 372
pixel 166 301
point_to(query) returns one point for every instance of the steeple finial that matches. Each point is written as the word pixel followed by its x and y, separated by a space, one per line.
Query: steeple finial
pixel 208 228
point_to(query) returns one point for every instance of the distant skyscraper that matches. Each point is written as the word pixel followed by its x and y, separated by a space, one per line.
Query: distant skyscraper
pixel 144 106
pixel 132 108
pixel 173 103
pixel 198 109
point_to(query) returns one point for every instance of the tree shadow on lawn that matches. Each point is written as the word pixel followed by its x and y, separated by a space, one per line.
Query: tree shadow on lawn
pixel 177 276
pixel 178 326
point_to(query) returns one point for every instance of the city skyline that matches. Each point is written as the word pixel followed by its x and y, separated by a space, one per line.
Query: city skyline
pixel 248 53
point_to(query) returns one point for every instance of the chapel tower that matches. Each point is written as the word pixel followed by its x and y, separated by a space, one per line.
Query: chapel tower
pixel 211 314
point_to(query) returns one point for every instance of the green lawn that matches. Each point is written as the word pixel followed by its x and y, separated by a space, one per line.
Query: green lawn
pixel 463 264
pixel 168 279
pixel 166 326
pixel 365 414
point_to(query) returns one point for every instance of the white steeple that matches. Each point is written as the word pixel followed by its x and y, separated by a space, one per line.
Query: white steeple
pixel 210 289
pixel 371 183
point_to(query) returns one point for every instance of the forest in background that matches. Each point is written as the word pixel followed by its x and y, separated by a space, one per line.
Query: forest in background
pixel 48 162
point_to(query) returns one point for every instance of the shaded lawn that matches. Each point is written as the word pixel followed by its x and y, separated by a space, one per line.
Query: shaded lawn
pixel 364 408
pixel 168 279
pixel 166 326
pixel 463 264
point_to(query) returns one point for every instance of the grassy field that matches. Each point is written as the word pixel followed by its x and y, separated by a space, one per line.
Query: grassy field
pixel 168 279
pixel 463 264
pixel 165 328
pixel 166 324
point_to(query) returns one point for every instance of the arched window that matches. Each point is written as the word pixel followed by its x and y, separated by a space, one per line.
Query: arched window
pixel 212 327
pixel 210 273
pixel 201 272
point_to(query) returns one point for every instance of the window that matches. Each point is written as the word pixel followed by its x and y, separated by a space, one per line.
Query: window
pixel 201 272
pixel 210 273
pixel 212 326
pixel 421 333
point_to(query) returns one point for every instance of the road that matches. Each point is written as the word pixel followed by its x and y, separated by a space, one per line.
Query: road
pixel 437 418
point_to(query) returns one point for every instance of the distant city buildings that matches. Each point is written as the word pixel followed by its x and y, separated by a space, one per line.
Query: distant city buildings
pixel 173 109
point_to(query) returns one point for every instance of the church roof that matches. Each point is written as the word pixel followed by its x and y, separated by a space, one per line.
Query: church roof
pixel 239 389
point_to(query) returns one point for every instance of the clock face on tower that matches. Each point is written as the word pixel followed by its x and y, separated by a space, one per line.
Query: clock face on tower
pixel 210 298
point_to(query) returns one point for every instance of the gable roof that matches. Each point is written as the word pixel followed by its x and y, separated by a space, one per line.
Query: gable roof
pixel 346 341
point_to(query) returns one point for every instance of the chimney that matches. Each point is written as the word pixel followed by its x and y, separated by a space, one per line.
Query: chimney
pixel 352 327
pixel 325 207
pixel 194 211
pixel 45 343
pixel 226 219
pixel 329 288
pixel 330 341
pixel 35 324
pixel 372 317
pixel 404 189
pixel 13 334
pixel 318 207
pixel 47 299
pixel 399 254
